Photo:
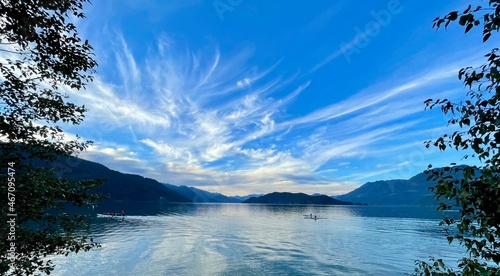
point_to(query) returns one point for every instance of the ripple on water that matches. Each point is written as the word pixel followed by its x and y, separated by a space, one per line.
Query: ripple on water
pixel 243 239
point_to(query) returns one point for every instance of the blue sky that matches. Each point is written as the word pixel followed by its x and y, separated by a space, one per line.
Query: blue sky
pixel 240 96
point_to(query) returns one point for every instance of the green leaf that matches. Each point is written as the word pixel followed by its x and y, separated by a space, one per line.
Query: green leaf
pixel 469 27
pixel 453 15
pixel 468 9
pixel 463 20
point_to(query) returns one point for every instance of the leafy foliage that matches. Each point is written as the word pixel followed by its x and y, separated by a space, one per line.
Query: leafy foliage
pixel 475 190
pixel 40 54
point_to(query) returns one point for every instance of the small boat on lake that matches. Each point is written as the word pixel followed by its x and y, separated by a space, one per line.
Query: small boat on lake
pixel 311 216
pixel 112 215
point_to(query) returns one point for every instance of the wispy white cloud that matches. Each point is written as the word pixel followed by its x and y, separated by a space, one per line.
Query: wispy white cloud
pixel 202 117
pixel 321 20
pixel 211 121
pixel 374 96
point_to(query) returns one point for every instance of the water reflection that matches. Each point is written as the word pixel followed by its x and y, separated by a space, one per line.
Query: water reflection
pixel 244 239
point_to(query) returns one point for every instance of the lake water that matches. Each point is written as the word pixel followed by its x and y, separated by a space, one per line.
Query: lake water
pixel 242 239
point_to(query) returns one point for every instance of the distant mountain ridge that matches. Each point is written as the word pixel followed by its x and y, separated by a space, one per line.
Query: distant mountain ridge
pixel 197 195
pixel 413 191
pixel 243 198
pixel 295 198
pixel 117 185
pixel 130 187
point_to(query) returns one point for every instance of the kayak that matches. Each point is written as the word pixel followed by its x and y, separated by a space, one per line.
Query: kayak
pixel 110 216
pixel 312 217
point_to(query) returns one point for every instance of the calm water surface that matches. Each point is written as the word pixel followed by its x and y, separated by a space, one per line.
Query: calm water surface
pixel 241 239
